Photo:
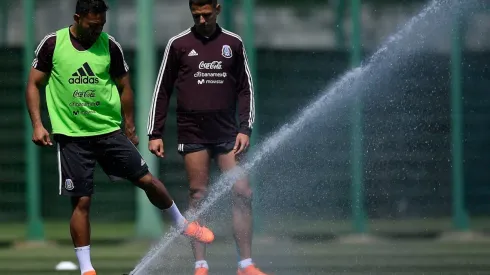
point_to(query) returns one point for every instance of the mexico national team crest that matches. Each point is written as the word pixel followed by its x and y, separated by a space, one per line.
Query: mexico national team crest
pixel 226 51
pixel 69 185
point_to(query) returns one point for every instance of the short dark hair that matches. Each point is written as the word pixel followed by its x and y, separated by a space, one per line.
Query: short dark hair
pixel 203 2
pixel 85 7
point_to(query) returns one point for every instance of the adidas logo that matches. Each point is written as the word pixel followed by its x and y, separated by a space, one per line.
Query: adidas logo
pixel 193 53
pixel 84 75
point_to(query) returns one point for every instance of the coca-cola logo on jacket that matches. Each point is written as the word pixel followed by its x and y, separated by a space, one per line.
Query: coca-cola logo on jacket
pixel 214 65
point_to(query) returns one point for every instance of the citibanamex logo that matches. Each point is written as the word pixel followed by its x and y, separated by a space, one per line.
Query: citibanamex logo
pixel 214 65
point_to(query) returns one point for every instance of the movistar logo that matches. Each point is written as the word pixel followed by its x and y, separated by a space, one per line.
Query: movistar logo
pixel 84 75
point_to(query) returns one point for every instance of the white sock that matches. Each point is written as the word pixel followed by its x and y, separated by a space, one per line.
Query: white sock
pixel 202 263
pixel 178 219
pixel 244 263
pixel 83 255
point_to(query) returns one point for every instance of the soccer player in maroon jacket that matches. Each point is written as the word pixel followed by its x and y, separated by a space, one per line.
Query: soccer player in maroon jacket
pixel 208 67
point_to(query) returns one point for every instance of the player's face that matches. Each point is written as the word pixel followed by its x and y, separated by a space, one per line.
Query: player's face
pixel 205 17
pixel 91 25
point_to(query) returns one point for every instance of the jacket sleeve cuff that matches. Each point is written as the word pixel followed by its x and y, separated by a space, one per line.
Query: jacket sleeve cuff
pixel 152 137
pixel 246 131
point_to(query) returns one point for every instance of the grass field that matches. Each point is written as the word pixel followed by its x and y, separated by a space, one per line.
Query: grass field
pixel 283 226
pixel 115 253
pixel 285 258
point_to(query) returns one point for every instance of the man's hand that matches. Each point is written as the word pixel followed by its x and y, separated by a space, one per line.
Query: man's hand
pixel 40 136
pixel 130 132
pixel 156 147
pixel 241 144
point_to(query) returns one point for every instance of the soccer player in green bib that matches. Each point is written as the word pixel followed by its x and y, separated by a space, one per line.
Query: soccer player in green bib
pixel 88 93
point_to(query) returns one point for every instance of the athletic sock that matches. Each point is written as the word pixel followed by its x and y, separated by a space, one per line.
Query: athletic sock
pixel 83 255
pixel 201 264
pixel 174 212
pixel 245 263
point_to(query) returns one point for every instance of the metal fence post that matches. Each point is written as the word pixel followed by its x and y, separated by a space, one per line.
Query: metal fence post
pixel 228 21
pixel 358 211
pixel 148 222
pixel 460 216
pixel 35 230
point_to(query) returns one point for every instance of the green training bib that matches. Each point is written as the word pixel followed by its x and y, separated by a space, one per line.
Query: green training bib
pixel 82 98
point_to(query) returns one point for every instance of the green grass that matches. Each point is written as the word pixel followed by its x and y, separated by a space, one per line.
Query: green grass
pixel 282 226
pixel 115 250
pixel 60 231
pixel 285 258
pixel 42 260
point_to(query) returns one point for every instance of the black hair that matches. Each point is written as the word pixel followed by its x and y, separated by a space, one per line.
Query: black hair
pixel 85 7
pixel 203 2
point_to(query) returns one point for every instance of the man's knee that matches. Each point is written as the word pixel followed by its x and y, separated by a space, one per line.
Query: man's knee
pixel 145 182
pixel 197 193
pixel 81 204
pixel 242 190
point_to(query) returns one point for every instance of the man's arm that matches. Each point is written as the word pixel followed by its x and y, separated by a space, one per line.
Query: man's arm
pixel 246 103
pixel 37 79
pixel 127 104
pixel 127 99
pixel 38 76
pixel 119 71
pixel 163 90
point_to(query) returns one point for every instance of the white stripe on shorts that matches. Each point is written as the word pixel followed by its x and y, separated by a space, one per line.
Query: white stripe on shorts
pixel 58 153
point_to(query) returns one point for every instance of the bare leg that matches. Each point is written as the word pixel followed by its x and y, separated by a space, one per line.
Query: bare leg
pixel 159 196
pixel 155 191
pixel 197 168
pixel 80 221
pixel 241 208
pixel 80 231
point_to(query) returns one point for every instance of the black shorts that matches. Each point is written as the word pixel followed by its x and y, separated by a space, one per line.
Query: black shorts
pixel 114 152
pixel 213 148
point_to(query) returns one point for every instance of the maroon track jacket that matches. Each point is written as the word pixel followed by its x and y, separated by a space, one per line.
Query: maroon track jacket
pixel 212 79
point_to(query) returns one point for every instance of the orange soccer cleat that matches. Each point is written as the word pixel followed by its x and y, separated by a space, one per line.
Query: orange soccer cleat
pixel 250 270
pixel 201 271
pixel 200 233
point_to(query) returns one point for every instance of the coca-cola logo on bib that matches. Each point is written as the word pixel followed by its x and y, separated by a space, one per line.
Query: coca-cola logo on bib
pixel 214 65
